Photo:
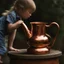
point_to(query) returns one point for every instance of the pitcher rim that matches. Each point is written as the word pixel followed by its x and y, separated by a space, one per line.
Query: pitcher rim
pixel 37 22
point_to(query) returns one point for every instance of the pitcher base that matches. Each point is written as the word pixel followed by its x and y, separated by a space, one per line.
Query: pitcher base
pixel 38 50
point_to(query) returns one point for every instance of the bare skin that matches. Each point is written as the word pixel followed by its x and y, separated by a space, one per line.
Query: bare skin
pixel 11 36
pixel 12 32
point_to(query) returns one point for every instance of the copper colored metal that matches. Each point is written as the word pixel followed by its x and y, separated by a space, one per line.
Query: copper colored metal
pixel 40 42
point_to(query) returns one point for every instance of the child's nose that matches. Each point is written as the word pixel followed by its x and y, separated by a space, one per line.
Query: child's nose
pixel 30 14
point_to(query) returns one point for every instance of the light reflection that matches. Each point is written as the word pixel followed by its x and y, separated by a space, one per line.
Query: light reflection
pixel 42 49
pixel 41 38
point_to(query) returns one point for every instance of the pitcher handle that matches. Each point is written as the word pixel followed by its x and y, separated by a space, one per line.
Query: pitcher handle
pixel 54 23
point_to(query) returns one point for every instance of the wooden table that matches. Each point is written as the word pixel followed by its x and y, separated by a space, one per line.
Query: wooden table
pixel 23 58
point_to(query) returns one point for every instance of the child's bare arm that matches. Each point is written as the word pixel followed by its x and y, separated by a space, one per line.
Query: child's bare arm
pixel 26 30
pixel 12 27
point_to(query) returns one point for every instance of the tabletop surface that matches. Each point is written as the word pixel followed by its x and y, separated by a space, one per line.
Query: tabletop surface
pixel 24 55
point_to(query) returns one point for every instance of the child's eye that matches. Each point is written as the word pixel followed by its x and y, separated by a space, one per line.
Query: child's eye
pixel 30 12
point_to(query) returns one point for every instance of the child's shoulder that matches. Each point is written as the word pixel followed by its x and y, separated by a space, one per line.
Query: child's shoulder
pixel 12 13
pixel 12 17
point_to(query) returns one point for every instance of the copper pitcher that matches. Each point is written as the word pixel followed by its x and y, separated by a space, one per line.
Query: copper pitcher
pixel 39 43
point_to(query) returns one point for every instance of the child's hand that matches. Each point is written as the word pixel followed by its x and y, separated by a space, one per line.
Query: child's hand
pixel 20 22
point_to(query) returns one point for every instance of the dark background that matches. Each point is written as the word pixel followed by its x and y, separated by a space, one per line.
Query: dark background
pixel 47 11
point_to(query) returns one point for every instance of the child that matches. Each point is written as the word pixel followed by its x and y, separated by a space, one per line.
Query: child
pixel 11 20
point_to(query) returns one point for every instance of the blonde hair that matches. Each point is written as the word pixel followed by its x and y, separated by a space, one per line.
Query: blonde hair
pixel 23 4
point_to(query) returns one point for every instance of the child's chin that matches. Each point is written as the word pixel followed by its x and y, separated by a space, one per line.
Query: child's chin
pixel 26 18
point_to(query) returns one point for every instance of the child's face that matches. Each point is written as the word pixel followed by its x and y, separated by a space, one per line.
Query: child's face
pixel 25 14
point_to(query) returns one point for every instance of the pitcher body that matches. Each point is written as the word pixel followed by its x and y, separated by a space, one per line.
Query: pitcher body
pixel 40 40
